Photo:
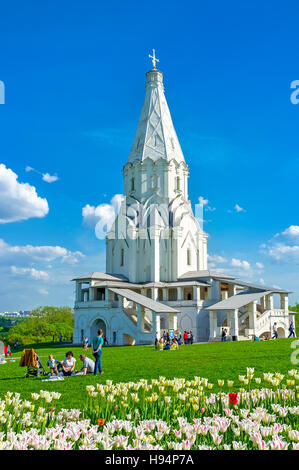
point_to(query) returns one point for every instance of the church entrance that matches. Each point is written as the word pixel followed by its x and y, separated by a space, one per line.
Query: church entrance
pixel 97 324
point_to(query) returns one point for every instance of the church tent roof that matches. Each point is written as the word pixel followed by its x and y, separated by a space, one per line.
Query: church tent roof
pixel 240 283
pixel 155 136
pixel 238 301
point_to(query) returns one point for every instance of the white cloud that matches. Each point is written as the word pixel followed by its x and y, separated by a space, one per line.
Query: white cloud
pixel 291 234
pixel 104 214
pixel 204 203
pixel 259 265
pixel 18 201
pixel 49 178
pixel 214 260
pixel 237 209
pixel 43 291
pixel 284 246
pixel 25 254
pixel 45 176
pixel 240 264
pixel 30 272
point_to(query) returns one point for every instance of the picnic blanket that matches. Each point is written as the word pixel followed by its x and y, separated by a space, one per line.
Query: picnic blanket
pixel 53 378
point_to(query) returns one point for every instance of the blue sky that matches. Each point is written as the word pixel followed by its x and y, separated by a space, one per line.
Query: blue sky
pixel 74 75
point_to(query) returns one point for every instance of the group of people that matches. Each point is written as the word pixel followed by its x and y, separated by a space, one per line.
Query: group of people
pixel 67 367
pixel 173 339
pixel 7 350
pixel 265 337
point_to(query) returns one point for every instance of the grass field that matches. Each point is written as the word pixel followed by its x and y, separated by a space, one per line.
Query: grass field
pixel 122 364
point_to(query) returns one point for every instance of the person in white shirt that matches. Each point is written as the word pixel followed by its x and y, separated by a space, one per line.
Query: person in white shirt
pixel 68 365
pixel 88 365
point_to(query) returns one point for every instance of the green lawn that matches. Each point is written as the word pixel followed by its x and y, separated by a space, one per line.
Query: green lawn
pixel 214 361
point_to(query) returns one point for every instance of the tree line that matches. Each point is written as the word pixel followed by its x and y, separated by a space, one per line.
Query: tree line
pixel 45 324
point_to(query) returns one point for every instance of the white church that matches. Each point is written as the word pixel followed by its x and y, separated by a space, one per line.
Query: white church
pixel 156 254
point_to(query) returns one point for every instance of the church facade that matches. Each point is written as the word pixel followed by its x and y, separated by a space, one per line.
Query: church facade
pixel 157 276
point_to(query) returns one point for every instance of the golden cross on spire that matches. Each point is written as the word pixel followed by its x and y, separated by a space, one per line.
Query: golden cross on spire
pixel 154 59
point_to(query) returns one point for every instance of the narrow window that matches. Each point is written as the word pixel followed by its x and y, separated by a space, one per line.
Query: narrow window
pixel 132 184
pixel 177 183
pixel 122 256
pixel 188 257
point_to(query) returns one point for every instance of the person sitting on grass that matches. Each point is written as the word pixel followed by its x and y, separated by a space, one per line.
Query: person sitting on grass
pixel 167 345
pixel 88 365
pixel 68 365
pixel 174 344
pixel 52 364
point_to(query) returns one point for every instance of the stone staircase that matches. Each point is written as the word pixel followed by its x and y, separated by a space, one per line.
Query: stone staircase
pixel 132 315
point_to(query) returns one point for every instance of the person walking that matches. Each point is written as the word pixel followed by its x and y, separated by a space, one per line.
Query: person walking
pixel 275 332
pixel 292 330
pixel 223 335
pixel 97 344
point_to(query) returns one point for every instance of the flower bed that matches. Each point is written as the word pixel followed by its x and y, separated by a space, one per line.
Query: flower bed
pixel 160 414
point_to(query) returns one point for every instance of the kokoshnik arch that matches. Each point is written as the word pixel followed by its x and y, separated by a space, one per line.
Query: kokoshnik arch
pixel 156 254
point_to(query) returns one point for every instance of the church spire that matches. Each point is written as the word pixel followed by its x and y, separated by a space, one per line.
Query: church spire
pixel 155 137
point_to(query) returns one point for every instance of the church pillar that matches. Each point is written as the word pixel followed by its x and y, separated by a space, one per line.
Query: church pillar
pixel 91 294
pixel 158 325
pixel 269 302
pixel 232 290
pixel 263 303
pixel 154 322
pixel 180 293
pixel 252 316
pixel 196 293
pixel 170 321
pixel 78 292
pixel 139 317
pixel 284 302
pixel 132 262
pixel 213 324
pixel 155 254
pixel 216 290
pixel 224 294
pixel 165 294
pixel 155 293
pixel 175 321
pixel 228 321
pixel 235 325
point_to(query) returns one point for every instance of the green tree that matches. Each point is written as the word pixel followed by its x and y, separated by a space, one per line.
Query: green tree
pixel 44 324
